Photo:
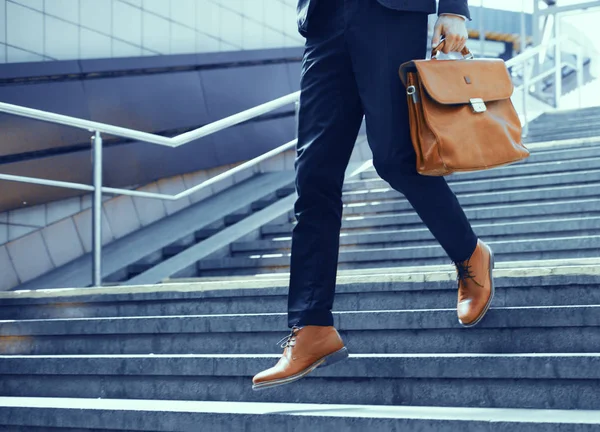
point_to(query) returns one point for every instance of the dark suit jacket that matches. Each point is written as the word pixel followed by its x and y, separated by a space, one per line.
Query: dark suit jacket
pixel 459 7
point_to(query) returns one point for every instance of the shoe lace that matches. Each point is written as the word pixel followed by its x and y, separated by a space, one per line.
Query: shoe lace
pixel 463 270
pixel 289 339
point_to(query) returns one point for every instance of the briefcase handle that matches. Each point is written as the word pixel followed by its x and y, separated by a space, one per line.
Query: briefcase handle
pixel 467 55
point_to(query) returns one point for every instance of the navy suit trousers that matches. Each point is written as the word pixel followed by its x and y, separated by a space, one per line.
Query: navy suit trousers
pixel 350 69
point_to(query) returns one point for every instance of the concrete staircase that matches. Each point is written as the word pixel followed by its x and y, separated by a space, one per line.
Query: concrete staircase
pixel 568 124
pixel 180 356
pixel 545 208
pixel 96 359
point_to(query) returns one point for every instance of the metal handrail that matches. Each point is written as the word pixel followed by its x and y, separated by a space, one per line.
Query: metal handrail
pixel 141 194
pixel 98 128
pixel 532 52
pixel 523 59
pixel 175 141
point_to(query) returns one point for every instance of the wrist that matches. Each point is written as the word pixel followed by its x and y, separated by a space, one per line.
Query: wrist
pixel 464 18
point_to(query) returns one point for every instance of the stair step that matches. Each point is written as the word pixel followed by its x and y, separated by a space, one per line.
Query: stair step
pixel 549 123
pixel 493 198
pixel 543 192
pixel 553 154
pixel 171 251
pixel 413 288
pixel 262 204
pixel 557 228
pixel 519 169
pixel 569 113
pixel 539 248
pixel 576 130
pixel 584 125
pixel 521 212
pixel 136 269
pixel 167 416
pixel 561 119
pixel 206 233
pixel 565 135
pixel 234 218
pixel 564 329
pixel 286 191
pixel 542 381
pixel 360 192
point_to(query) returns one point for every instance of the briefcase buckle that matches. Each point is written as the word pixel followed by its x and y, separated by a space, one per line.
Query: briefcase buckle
pixel 412 92
pixel 478 105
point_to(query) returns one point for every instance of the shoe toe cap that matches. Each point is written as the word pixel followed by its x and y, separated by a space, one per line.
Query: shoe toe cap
pixel 464 309
pixel 266 375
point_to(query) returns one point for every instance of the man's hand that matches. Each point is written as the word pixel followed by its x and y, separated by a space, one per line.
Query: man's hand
pixel 454 30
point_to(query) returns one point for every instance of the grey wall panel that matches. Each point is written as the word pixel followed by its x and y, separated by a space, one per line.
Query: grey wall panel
pixel 294 72
pixel 228 91
pixel 37 69
pixel 72 167
pixel 234 144
pixel 249 56
pixel 21 135
pixel 275 133
pixel 141 163
pixel 185 60
pixel 136 63
pixel 148 103
pixel 253 139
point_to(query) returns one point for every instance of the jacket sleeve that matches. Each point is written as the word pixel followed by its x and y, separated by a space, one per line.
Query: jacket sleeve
pixel 458 7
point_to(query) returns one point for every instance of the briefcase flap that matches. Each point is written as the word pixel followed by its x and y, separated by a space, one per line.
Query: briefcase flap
pixel 460 81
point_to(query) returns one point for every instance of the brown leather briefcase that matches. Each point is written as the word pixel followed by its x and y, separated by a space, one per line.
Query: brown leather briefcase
pixel 461 115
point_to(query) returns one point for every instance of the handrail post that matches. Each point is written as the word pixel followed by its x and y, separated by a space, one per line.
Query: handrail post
pixel 297 116
pixel 579 75
pixel 525 70
pixel 523 36
pixel 525 96
pixel 97 211
pixel 557 63
pixel 481 30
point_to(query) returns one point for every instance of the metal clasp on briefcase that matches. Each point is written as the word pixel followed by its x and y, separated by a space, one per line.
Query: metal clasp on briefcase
pixel 478 105
pixel 412 92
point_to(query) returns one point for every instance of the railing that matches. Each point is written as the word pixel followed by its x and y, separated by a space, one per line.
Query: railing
pixel 99 128
pixel 546 34
pixel 547 24
pixel 525 63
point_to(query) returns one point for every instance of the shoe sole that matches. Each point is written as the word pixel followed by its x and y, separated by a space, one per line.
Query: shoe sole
pixel 328 360
pixel 492 292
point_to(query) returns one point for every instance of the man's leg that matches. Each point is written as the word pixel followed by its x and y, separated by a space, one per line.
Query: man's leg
pixel 380 40
pixel 330 117
pixel 394 38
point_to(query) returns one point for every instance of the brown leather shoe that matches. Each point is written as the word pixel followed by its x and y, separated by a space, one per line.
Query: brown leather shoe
pixel 475 285
pixel 305 350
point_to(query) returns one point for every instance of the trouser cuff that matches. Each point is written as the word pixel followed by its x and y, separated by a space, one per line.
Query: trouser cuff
pixel 318 317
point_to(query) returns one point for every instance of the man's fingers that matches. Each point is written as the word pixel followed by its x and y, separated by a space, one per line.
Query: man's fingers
pixel 459 43
pixel 454 31
pixel 451 43
pixel 437 35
